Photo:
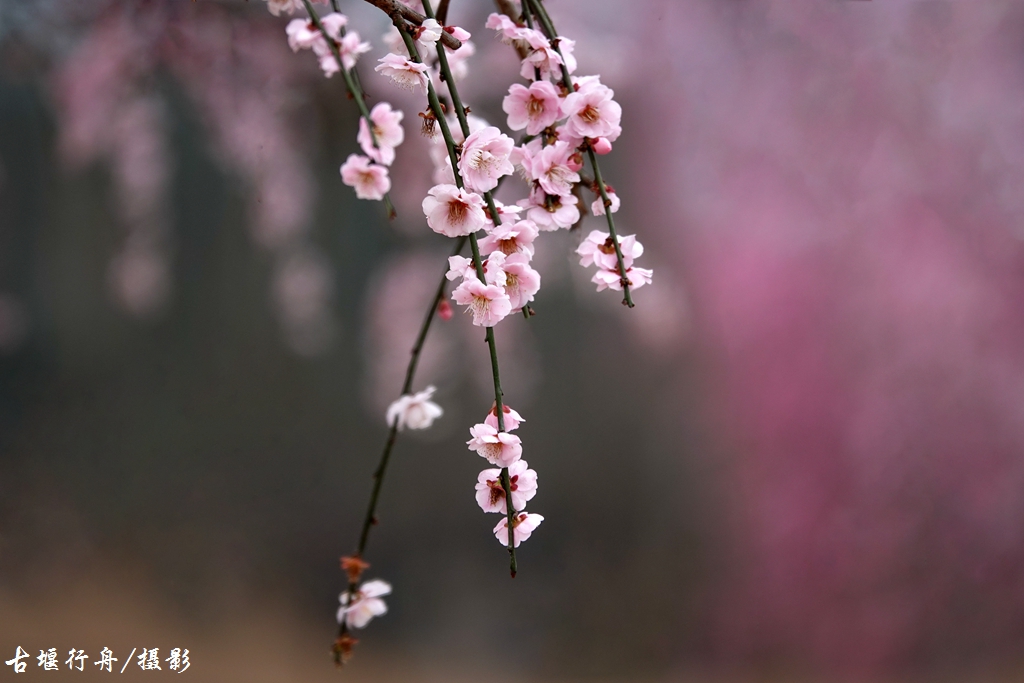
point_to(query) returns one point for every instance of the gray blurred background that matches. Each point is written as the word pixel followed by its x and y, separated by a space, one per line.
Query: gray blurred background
pixel 798 458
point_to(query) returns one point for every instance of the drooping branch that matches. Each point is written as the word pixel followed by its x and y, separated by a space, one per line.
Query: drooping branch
pixel 382 467
pixel 460 113
pixel 537 9
pixel 351 83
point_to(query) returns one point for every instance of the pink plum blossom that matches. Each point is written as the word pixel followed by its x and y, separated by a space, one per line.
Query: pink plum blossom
pixel 507 211
pixel 592 113
pixel 485 159
pixel 498 448
pixel 494 273
pixel 509 30
pixel 597 206
pixel 511 418
pixel 387 128
pixel 602 146
pixel 351 47
pixel 415 411
pixel 404 72
pixel 550 212
pixel 534 108
pixel 510 238
pixel 333 23
pixel 276 7
pixel 459 34
pixel 302 34
pixel 610 279
pixel 522 157
pixel 489 303
pixel 490 494
pixel 365 605
pixel 523 525
pixel 521 281
pixel 443 173
pixel 460 266
pixel 429 33
pixel 370 181
pixel 454 212
pixel 550 168
pixel 598 249
pixel 543 59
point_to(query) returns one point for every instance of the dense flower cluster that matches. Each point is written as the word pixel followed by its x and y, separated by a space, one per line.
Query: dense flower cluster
pixel 566 123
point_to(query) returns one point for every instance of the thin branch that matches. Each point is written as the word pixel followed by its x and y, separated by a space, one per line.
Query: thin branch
pixel 460 113
pixel 378 476
pixel 442 12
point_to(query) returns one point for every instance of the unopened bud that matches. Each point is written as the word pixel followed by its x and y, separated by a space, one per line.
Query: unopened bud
pixel 601 146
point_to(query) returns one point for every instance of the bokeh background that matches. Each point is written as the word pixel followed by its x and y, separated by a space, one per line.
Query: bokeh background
pixel 800 458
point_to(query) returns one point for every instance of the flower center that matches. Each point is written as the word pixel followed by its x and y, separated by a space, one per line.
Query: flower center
pixel 491 450
pixel 482 160
pixel 512 285
pixel 535 107
pixel 497 492
pixel 457 210
pixel 558 174
pixel 552 203
pixel 590 114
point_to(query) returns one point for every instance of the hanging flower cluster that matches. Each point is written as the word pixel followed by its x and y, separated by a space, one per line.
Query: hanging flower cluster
pixel 563 121
pixel 505 450
pixel 381 131
pixel 566 118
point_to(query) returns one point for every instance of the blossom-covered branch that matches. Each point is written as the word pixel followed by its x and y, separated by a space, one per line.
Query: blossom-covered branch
pixel 586 110
pixel 380 133
pixel 478 292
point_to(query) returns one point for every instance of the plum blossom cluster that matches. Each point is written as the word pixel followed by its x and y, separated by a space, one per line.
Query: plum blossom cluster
pixel 598 250
pixel 304 34
pixel 498 279
pixel 564 119
pixel 368 173
pixel 505 451
pixel 380 129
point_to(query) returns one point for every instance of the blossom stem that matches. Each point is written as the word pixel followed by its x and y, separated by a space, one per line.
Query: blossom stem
pixel 351 84
pixel 378 476
pixel 460 114
pixel 537 7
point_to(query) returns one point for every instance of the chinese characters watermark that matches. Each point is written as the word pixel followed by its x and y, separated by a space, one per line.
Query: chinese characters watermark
pixel 147 660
